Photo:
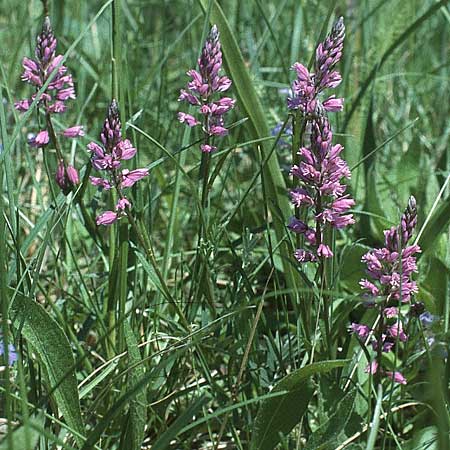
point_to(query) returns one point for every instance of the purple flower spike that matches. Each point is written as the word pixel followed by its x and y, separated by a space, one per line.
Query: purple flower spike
pixel 203 92
pixel 308 85
pixel 390 269
pixel 38 72
pixel 318 187
pixel 108 158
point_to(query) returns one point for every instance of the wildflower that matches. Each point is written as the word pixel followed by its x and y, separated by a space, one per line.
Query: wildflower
pixel 318 175
pixel 12 354
pixel 390 269
pixel 47 69
pixel 203 89
pixel 427 319
pixel 47 65
pixel 308 85
pixel 108 158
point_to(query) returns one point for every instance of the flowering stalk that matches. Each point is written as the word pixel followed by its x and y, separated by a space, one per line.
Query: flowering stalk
pixel 204 92
pixel 46 69
pixel 390 289
pixel 318 173
pixel 108 158
pixel 318 193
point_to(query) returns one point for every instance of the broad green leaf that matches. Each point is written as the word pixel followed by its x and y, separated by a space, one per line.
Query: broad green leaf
pixel 171 433
pixel 25 437
pixel 327 436
pixel 137 416
pixel 279 415
pixel 351 267
pixel 251 106
pixel 47 338
pixel 426 438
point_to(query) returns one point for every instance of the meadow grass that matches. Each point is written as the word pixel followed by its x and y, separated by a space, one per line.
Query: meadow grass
pixel 192 325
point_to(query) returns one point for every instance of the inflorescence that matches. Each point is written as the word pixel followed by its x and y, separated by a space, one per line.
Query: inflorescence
pixel 318 188
pixel 390 270
pixel 205 85
pixel 46 71
pixel 108 158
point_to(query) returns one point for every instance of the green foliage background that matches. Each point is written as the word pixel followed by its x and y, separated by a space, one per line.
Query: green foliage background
pixel 144 376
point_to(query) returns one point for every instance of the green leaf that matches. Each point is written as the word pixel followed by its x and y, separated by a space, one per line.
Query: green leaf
pixel 47 338
pixel 438 224
pixel 251 106
pixel 327 436
pixel 281 414
pixel 25 437
pixel 137 416
pixel 171 433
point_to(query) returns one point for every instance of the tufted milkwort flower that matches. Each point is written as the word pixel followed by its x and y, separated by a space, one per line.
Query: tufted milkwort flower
pixel 318 173
pixel 308 85
pixel 47 67
pixel 390 285
pixel 108 158
pixel 203 91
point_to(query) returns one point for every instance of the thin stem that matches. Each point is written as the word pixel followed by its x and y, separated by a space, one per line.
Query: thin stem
pixel 148 248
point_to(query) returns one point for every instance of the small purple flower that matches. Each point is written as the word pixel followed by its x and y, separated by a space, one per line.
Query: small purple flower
pixel 362 331
pixel 66 177
pixel 40 140
pixel 73 132
pixel 427 319
pixel 203 89
pixel 12 354
pixel 106 218
pixel 396 376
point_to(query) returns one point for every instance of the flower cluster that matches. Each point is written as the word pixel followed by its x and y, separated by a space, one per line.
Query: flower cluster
pixel 308 85
pixel 318 175
pixel 390 270
pixel 201 90
pixel 37 72
pixel 108 158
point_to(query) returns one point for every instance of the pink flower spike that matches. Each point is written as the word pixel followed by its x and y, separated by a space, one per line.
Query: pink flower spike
pixel 205 148
pixel 107 218
pixel 123 204
pixel 40 140
pixel 131 177
pixel 101 182
pixel 74 132
pixel 189 120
